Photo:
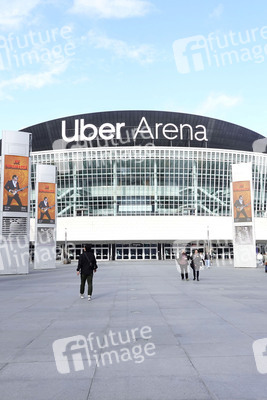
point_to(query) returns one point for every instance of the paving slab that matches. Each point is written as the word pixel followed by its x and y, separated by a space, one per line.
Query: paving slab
pixel 200 334
pixel 56 389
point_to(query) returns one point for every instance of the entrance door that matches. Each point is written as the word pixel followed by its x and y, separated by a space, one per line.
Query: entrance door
pixel 133 253
pixel 140 253
pixel 101 251
pixel 125 253
pixel 146 251
pixel 150 251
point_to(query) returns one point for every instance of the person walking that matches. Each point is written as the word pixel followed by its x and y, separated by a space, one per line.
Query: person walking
pixel 208 260
pixel 197 264
pixel 259 259
pixel 183 262
pixel 86 268
pixel 191 263
pixel 265 261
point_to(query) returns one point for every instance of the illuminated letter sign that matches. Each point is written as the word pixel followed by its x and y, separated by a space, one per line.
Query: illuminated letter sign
pixel 107 131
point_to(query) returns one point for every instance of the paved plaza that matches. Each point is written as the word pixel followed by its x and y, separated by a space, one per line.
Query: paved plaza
pixel 187 339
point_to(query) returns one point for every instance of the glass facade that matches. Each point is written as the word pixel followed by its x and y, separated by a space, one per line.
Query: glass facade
pixel 149 251
pixel 149 180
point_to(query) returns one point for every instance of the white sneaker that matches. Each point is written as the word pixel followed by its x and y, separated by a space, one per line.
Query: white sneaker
pixel 81 296
pixel 89 298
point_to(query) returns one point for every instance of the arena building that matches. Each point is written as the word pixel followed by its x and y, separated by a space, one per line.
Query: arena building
pixel 133 182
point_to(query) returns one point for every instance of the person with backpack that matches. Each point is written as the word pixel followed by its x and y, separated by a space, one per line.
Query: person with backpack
pixel 183 263
pixel 86 268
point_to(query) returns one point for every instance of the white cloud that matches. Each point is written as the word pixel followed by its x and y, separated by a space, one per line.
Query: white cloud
pixel 13 12
pixel 217 102
pixel 31 81
pixel 82 79
pixel 142 53
pixel 217 12
pixel 111 8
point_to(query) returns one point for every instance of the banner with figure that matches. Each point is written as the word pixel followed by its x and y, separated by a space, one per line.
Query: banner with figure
pixel 242 201
pixel 46 203
pixel 45 218
pixel 15 202
pixel 243 216
pixel 16 179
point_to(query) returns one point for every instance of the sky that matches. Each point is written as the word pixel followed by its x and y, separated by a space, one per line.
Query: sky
pixel 68 57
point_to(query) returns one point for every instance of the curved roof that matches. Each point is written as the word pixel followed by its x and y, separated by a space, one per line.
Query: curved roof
pixel 159 128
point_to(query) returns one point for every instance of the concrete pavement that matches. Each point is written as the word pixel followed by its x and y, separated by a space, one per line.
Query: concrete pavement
pixel 202 333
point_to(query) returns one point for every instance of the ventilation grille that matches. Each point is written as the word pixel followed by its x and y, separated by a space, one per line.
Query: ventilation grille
pixel 14 229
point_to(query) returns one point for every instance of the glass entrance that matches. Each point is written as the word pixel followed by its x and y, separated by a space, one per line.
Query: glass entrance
pixel 140 251
pixel 101 251
pixel 171 250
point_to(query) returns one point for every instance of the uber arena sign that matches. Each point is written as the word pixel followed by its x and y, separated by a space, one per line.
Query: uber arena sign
pixel 108 131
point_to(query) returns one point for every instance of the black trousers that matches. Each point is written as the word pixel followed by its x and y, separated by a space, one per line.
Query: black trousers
pixel 89 279
pixel 45 213
pixel 243 212
pixel 15 197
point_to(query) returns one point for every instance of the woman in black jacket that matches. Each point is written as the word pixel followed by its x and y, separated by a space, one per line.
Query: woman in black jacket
pixel 197 260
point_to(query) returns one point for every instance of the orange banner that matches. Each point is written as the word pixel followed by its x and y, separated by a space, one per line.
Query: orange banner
pixel 46 203
pixel 16 179
pixel 242 201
